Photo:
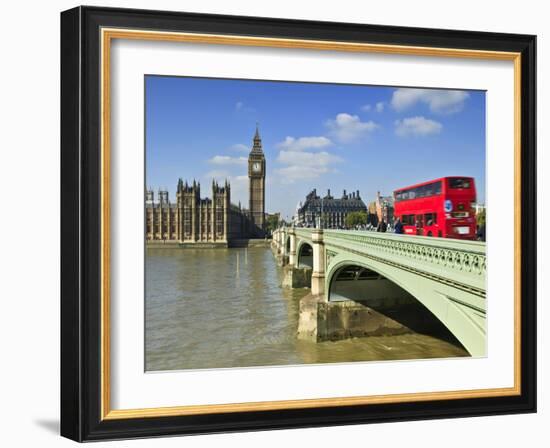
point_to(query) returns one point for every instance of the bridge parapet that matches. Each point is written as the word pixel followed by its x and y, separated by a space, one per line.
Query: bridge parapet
pixel 456 261
pixel 462 263
pixel 304 234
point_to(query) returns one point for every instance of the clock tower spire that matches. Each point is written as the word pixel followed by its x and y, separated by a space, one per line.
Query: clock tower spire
pixel 256 189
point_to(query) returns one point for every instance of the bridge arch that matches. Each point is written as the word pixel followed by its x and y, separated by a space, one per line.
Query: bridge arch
pixel 336 266
pixel 362 284
pixel 435 297
pixel 304 254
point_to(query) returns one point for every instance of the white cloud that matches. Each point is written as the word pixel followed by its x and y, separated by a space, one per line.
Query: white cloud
pixel 322 158
pixel 299 144
pixel 292 173
pixel 221 176
pixel 218 175
pixel 347 128
pixel 439 101
pixel 305 165
pixel 240 147
pixel 240 106
pixel 228 160
pixel 417 126
pixel 239 190
pixel 378 107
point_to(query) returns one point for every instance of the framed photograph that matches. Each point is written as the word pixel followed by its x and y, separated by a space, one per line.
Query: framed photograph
pixel 273 223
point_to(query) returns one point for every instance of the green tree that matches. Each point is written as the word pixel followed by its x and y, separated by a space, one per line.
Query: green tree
pixel 356 218
pixel 480 217
pixel 271 223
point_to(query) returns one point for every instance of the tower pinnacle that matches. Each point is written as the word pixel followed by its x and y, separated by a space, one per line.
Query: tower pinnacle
pixel 257 146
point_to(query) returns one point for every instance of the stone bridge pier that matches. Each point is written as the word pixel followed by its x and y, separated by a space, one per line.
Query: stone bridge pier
pixel 283 252
pixel 296 274
pixel 304 266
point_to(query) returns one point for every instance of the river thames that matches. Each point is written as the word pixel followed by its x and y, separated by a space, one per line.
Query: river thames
pixel 214 308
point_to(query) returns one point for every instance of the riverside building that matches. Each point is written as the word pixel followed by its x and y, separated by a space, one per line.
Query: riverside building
pixel 333 210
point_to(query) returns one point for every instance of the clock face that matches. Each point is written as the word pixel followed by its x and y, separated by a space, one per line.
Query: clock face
pixel 256 167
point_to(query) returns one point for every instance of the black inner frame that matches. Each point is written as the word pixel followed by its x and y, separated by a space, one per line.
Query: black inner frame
pixel 81 220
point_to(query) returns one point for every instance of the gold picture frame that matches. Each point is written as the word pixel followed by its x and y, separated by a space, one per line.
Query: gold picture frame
pixel 114 423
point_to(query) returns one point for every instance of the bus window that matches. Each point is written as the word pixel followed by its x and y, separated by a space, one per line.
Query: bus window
pixel 459 182
pixel 422 191
pixel 419 224
pixel 408 220
pixel 430 219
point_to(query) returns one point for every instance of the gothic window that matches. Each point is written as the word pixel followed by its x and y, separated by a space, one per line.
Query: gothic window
pixel 219 224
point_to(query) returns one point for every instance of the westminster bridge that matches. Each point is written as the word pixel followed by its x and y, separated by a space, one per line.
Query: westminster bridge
pixel 446 276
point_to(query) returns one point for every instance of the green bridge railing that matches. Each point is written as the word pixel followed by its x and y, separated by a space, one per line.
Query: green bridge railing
pixel 461 262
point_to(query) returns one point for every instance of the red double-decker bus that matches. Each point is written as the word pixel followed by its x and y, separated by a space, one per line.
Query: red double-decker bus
pixel 442 207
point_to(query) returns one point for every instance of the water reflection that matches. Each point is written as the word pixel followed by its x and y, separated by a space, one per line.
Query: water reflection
pixel 225 308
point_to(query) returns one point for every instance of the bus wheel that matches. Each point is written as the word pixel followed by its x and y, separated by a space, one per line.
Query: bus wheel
pixel 430 234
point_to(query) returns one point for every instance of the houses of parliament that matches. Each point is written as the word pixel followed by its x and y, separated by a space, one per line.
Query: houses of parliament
pixel 210 221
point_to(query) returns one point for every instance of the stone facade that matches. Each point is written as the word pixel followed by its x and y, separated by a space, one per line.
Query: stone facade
pixel 382 208
pixel 334 210
pixel 160 217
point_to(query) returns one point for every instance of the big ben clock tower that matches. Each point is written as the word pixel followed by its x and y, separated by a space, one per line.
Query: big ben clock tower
pixel 256 190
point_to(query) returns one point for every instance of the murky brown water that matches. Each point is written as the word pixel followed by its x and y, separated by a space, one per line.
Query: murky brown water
pixel 225 308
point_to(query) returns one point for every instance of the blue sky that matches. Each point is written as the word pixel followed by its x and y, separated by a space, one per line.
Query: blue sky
pixel 314 135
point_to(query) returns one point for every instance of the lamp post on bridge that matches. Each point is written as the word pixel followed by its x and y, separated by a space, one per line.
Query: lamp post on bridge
pixel 318 274
pixel 292 251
